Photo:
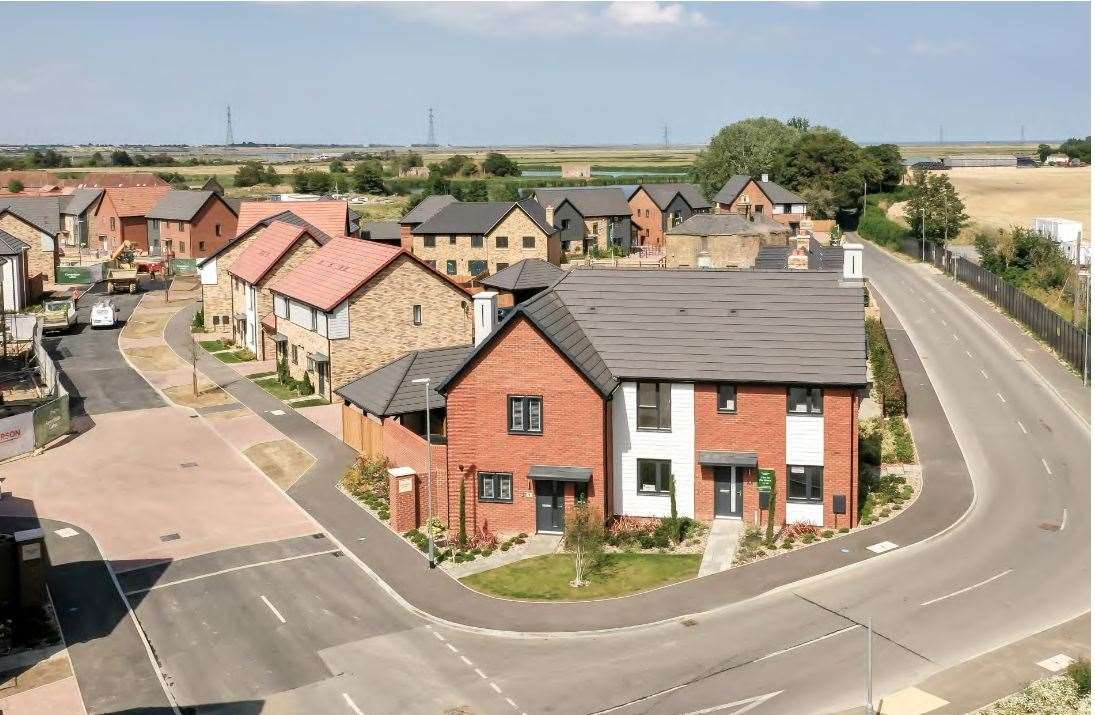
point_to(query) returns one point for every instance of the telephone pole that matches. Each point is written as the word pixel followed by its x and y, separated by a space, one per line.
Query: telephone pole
pixel 665 135
pixel 228 138
pixel 431 135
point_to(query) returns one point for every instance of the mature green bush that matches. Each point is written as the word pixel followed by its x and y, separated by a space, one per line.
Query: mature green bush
pixel 876 227
pixel 1080 672
pixel 884 368
pixel 903 450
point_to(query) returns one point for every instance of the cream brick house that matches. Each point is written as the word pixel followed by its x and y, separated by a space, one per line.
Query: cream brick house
pixel 33 222
pixel 276 250
pixel 468 239
pixel 354 305
pixel 588 216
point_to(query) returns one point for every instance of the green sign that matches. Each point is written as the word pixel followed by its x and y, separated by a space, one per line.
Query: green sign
pixel 51 420
pixel 184 266
pixel 73 275
pixel 765 479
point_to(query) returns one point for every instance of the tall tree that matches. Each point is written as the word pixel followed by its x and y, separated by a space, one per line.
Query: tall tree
pixel 891 164
pixel 828 169
pixel 935 207
pixel 475 191
pixel 802 124
pixel 749 147
pixel 119 157
pixel 497 164
pixel 367 177
pixel 1044 150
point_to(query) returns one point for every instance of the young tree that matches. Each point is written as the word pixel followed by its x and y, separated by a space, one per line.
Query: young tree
pixel 367 178
pixel 497 164
pixel 270 176
pixel 769 533
pixel 15 186
pixel 746 147
pixel 250 174
pixel 194 352
pixel 463 537
pixel 935 209
pixel 583 534
pixel 1044 150
pixel 121 158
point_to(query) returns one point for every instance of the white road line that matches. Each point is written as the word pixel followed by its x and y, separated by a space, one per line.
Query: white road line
pixel 955 336
pixel 452 647
pixel 439 637
pixel 773 654
pixel 966 589
pixel 1064 518
pixel 1002 398
pixel 932 309
pixel 512 704
pixel 467 662
pixel 224 571
pixel 271 607
pixel 969 354
pixel 749 704
pixel 496 688
pixel 352 704
pixel 984 374
pixel 1022 427
pixel 1046 465
pixel 481 674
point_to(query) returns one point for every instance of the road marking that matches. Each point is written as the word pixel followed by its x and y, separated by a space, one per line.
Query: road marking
pixel 467 662
pixel 882 547
pixel 1046 465
pixel 1002 398
pixel 984 374
pixel 481 674
pixel 277 413
pixel 932 309
pixel 1022 426
pixel 773 654
pixel 271 607
pixel 1055 664
pixel 496 688
pixel 229 570
pixel 969 354
pixel 452 647
pixel 352 704
pixel 512 704
pixel 1064 518
pixel 749 704
pixel 967 588
pixel 66 532
pixel 438 636
pixel 955 336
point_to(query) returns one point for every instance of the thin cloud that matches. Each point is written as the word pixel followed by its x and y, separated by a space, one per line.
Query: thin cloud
pixel 938 48
pixel 630 14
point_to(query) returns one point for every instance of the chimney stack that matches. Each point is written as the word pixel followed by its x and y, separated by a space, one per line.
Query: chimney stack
pixel 853 262
pixel 764 178
pixel 549 215
pixel 486 314
pixel 798 260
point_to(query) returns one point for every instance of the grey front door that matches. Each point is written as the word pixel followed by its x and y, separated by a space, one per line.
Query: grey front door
pixel 727 492
pixel 549 505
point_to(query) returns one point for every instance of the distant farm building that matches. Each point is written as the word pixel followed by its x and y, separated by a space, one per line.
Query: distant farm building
pixel 577 171
pixel 1057 160
pixel 951 162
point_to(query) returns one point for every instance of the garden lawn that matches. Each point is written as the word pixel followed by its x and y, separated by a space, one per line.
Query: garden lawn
pixel 547 578
pixel 238 356
pixel 314 402
pixel 214 345
pixel 275 388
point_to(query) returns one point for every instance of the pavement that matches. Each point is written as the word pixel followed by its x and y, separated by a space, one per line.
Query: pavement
pixel 722 545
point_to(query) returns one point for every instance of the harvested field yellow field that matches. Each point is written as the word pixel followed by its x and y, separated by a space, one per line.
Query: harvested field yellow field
pixel 1000 197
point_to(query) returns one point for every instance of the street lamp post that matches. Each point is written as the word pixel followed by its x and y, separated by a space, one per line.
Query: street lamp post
pixel 870 675
pixel 425 382
pixel 923 228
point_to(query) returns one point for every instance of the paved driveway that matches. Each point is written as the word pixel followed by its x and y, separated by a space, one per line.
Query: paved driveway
pixel 96 375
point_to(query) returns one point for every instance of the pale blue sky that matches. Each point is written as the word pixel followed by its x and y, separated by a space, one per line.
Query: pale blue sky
pixel 539 73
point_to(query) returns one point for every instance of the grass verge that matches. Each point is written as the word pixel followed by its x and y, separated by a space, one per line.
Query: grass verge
pixel 275 388
pixel 314 402
pixel 214 345
pixel 233 357
pixel 547 578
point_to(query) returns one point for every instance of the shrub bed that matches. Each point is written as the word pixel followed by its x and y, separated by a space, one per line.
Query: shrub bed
pixel 630 534
pixel 884 370
pixel 367 481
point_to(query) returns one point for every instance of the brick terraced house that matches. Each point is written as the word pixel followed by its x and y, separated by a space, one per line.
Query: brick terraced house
pixel 745 195
pixel 587 217
pixel 77 211
pixel 468 239
pixel 30 228
pixel 190 224
pixel 121 216
pixel 656 208
pixel 355 305
pixel 277 249
pixel 616 386
pixel 425 209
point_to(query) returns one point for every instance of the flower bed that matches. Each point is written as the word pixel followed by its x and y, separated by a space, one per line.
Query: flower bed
pixel 480 545
pixel 367 482
pixel 666 535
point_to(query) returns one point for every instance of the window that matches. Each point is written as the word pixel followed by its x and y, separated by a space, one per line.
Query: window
pixel 528 242
pixel 450 267
pixel 759 209
pixel 476 241
pixel 500 266
pixel 416 314
pixel 313 318
pixel 654 476
pixel 495 486
pixel 654 405
pixel 429 241
pixel 216 320
pixel 167 245
pixel 224 320
pixel 182 247
pixel 564 224
pixel 477 267
pixel 501 242
pixel 217 229
pixel 112 223
pixel 294 354
pixel 526 414
pixel 452 240
pixel 201 245
pixel 648 213
pixel 804 400
pixel 581 492
pixel 728 398
pixel 179 225
pixel 804 484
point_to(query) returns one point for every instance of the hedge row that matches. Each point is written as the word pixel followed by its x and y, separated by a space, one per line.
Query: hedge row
pixel 884 369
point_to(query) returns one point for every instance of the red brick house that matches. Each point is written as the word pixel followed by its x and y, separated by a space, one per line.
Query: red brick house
pixel 745 195
pixel 656 208
pixel 121 216
pixel 190 224
pixel 328 215
pixel 616 386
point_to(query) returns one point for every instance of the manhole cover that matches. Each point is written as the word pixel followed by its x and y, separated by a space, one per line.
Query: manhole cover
pixel 170 537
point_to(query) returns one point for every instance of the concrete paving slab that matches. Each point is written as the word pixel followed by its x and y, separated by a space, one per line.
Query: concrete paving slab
pixel 281 460
pixel 157 357
pixel 722 544
pixel 254 367
pixel 242 428
pixel 910 701
pixel 61 697
pixel 328 417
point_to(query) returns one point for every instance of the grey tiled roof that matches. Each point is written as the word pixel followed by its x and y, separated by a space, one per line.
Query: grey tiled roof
pixel 781 327
pixel 10 245
pixel 178 205
pixel 389 389
pixel 426 208
pixel 727 225
pixel 588 201
pixel 382 230
pixel 775 193
pixel 663 194
pixel 79 201
pixel 825 258
pixel 526 274
pixel 478 217
pixel 41 211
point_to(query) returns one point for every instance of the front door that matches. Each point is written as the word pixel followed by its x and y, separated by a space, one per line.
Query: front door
pixel 727 492
pixel 549 505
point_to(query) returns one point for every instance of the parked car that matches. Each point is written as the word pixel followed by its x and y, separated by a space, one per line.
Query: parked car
pixel 104 314
pixel 59 314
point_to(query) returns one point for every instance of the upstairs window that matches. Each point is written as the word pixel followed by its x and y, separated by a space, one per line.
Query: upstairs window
pixel 501 242
pixel 477 267
pixel 217 229
pixel 526 414
pixel 804 400
pixel 112 224
pixel 416 314
pixel 429 241
pixel 528 242
pixel 452 240
pixel 805 484
pixel 654 406
pixel 728 398
pixel 476 241
pixel 450 267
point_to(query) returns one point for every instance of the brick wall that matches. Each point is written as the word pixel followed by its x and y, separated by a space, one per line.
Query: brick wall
pixel 297 253
pixel 758 203
pixel 204 238
pixel 515 226
pixel 760 425
pixel 217 298
pixel 726 251
pixel 41 265
pixel 646 215
pixel 135 230
pixel 306 342
pixel 521 362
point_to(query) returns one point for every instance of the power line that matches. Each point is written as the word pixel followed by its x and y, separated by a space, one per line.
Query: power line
pixel 665 135
pixel 228 139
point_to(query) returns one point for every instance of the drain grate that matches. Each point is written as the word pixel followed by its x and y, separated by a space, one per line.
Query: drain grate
pixel 170 537
pixel 188 465
pixel 1046 526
